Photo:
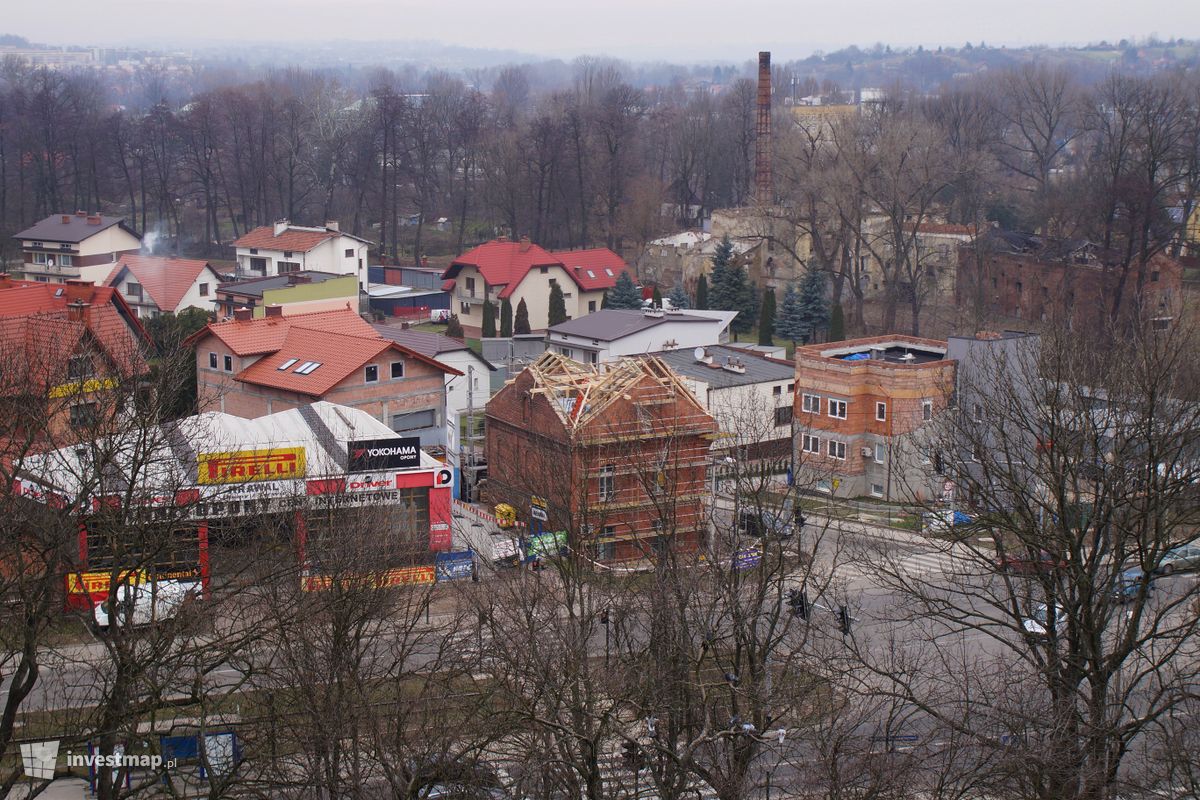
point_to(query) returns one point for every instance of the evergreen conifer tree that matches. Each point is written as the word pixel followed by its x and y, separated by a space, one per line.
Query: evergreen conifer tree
pixel 506 320
pixel 837 324
pixel 789 324
pixel 521 323
pixel 766 319
pixel 624 294
pixel 656 298
pixel 678 297
pixel 488 329
pixel 813 307
pixel 454 328
pixel 702 293
pixel 556 312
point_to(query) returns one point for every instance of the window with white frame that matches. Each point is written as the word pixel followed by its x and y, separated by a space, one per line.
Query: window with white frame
pixel 371 373
pixel 881 412
pixel 783 416
pixel 837 450
pixel 810 444
pixel 880 452
pixel 837 408
pixel 977 412
pixel 608 483
pixel 811 403
pixel 926 410
pixel 877 489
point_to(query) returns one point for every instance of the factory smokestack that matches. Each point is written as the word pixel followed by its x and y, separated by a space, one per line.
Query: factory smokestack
pixel 764 191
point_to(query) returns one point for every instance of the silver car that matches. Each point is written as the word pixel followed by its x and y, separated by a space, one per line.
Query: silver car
pixel 1180 559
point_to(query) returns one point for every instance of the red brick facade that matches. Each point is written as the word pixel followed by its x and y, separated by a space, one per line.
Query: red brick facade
pixel 852 408
pixel 630 477
pixel 1080 290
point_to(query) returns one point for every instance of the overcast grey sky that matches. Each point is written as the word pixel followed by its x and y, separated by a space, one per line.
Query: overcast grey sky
pixel 675 29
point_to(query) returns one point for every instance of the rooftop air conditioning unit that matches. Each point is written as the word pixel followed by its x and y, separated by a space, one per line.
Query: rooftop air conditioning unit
pixel 867 452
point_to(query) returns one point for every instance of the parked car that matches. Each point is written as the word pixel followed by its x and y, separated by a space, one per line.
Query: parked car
pixel 145 603
pixel 1037 625
pixel 944 521
pixel 1025 563
pixel 1129 583
pixel 1179 559
pixel 777 522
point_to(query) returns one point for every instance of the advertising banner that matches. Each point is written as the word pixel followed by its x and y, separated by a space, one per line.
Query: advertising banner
pixel 547 544
pixel 747 558
pixel 400 576
pixel 367 455
pixel 455 566
pixel 245 466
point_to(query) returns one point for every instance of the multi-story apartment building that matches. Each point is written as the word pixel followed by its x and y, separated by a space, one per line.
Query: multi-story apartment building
pixel 615 455
pixel 859 412
pixel 77 246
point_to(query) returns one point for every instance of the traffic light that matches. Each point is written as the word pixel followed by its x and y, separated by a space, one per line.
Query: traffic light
pixel 632 755
pixel 844 620
pixel 798 600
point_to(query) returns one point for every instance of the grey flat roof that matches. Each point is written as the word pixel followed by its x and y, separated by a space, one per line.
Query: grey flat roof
pixel 758 370
pixel 610 324
pixel 427 343
pixel 76 229
pixel 254 287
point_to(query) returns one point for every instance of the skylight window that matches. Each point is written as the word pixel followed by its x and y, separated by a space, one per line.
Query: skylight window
pixel 308 367
pixel 300 369
pixel 287 364
pixel 608 272
pixel 591 274
pixel 58 292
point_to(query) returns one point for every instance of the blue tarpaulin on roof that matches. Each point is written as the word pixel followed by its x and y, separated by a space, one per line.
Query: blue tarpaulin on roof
pixel 857 357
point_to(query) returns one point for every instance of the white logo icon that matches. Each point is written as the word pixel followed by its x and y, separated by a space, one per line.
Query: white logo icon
pixel 39 759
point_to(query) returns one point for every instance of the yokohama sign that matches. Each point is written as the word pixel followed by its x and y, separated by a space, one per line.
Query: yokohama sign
pixel 367 455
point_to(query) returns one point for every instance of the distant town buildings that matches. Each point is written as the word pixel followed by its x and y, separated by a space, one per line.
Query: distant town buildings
pixel 293 292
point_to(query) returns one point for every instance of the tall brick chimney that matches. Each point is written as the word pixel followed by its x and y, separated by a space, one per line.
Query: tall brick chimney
pixel 243 314
pixel 764 189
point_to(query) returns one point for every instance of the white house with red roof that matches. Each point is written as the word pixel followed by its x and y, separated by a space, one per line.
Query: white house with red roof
pixel 283 247
pixel 154 285
pixel 516 271
pixel 255 366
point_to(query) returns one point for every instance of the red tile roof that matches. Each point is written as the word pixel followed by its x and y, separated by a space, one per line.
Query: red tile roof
pixel 594 269
pixel 165 280
pixel 339 340
pixel 300 241
pixel 505 263
pixel 266 334
pixel 39 312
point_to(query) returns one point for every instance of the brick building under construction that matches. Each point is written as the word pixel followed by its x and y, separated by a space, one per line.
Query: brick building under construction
pixel 616 453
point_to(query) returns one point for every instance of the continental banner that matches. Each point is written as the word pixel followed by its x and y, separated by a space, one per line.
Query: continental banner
pixel 245 466
pixel 400 576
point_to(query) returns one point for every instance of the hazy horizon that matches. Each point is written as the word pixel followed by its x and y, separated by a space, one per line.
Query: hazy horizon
pixel 648 30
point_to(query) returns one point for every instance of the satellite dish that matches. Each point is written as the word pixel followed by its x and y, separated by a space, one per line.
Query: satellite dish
pixel 698 353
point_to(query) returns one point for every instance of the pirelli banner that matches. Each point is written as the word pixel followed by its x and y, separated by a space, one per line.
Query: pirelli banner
pixel 246 466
